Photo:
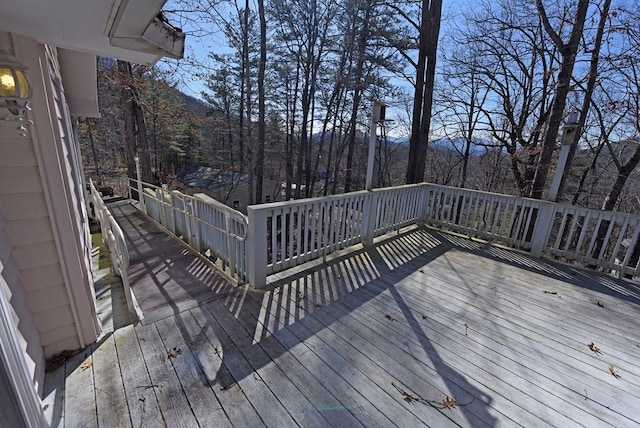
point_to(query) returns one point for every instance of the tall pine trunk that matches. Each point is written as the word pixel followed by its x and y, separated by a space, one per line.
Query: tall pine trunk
pixel 423 96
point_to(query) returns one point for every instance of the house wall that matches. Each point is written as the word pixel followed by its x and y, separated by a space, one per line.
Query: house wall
pixel 45 239
pixel 28 334
pixel 238 197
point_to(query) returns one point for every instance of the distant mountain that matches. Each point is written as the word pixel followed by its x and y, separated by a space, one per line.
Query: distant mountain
pixel 460 143
pixel 195 104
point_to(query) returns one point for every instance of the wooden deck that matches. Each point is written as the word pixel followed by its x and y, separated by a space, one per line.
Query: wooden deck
pixel 375 338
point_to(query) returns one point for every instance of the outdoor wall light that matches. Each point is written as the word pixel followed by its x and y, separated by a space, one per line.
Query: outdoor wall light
pixel 15 90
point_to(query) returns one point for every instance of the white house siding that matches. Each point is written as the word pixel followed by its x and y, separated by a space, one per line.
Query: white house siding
pixel 27 332
pixel 45 242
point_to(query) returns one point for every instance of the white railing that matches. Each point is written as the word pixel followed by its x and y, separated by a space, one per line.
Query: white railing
pixel 286 234
pixel 574 234
pixel 282 235
pixel 489 216
pixel 113 238
pixel 206 225
pixel 598 238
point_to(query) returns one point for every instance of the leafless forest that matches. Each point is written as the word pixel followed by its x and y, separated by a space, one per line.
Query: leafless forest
pixel 476 97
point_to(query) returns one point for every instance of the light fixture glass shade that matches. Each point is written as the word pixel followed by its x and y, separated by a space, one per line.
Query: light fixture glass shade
pixel 14 84
pixel 15 90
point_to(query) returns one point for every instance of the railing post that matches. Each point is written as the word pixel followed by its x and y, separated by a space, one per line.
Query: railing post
pixel 195 230
pixel 230 253
pixel 369 216
pixel 422 201
pixel 542 228
pixel 257 246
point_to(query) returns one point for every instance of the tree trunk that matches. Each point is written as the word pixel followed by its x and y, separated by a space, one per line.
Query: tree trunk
pixel 568 52
pixel 357 95
pixel 91 129
pixel 261 103
pixel 586 102
pixel 425 77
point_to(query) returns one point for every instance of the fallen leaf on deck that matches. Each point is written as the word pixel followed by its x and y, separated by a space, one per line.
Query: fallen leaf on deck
pixel 550 292
pixel 218 351
pixel 46 406
pixel 87 364
pixel 449 402
pixel 173 352
pixel 613 371
pixel 594 348
pixel 424 317
pixel 389 317
pixel 600 305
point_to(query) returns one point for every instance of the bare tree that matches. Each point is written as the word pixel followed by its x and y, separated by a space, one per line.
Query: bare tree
pixel 429 31
pixel 568 52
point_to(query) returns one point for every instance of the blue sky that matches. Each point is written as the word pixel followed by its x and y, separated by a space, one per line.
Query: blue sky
pixel 200 42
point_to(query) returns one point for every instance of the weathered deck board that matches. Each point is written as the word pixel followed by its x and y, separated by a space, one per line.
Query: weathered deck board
pixel 268 406
pixel 195 385
pixel 329 408
pixel 324 345
pixel 368 363
pixel 403 368
pixel 208 353
pixel 80 399
pixel 141 396
pixel 173 403
pixel 165 276
pixel 274 375
pixel 111 402
pixel 319 371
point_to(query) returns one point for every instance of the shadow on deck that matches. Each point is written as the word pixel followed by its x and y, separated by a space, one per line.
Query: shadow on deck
pixel 372 337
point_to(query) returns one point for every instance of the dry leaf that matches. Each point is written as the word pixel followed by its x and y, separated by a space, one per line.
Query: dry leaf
pixel 613 371
pixel 389 317
pixel 173 352
pixel 87 364
pixel 600 305
pixel 424 317
pixel 218 351
pixel 46 406
pixel 449 402
pixel 594 348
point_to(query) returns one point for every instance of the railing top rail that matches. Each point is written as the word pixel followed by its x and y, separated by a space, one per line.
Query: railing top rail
pixel 482 192
pixel 113 224
pixel 200 197
pixel 304 201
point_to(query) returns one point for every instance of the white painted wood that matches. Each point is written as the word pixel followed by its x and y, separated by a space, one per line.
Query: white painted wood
pixel 15 364
pixel 53 142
